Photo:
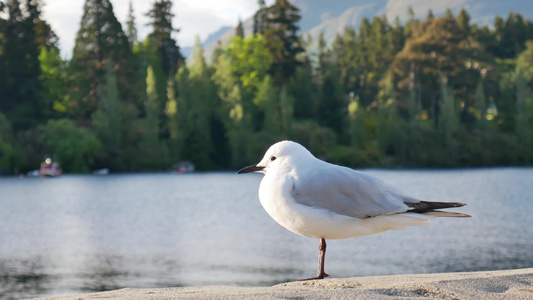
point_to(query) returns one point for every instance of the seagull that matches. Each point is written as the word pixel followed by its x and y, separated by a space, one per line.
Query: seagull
pixel 317 199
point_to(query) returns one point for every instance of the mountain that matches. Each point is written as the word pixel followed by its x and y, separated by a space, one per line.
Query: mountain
pixel 331 17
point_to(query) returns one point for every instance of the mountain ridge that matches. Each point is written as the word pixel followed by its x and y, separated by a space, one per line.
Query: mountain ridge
pixel 331 17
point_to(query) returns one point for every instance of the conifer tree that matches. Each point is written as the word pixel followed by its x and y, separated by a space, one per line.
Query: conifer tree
pixel 453 54
pixel 239 31
pixel 131 29
pixel 259 18
pixel 201 105
pixel 331 103
pixel 21 90
pixel 167 48
pixel 410 21
pixel 397 36
pixel 449 14
pixel 347 55
pixel 281 40
pixel 463 21
pixel 107 119
pixel 152 108
pixel 100 37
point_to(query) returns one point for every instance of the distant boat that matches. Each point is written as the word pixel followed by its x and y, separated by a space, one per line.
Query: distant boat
pixel 33 173
pixel 50 168
pixel 103 171
pixel 183 167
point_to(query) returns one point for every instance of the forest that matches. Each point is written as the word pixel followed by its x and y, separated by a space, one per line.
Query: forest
pixel 435 92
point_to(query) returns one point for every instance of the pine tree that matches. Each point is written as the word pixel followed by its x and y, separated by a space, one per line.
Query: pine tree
pixel 410 21
pixel 167 48
pixel 46 37
pixel 21 90
pixel 152 108
pixel 100 37
pixel 366 96
pixel 346 54
pixel 391 135
pixel 281 39
pixel 259 18
pixel 131 29
pixel 107 121
pixel 239 31
pixel 453 54
pixel 449 14
pixel 201 105
pixel 397 36
pixel 463 21
pixel 330 111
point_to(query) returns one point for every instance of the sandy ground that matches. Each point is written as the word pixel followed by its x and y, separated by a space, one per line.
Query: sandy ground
pixel 509 284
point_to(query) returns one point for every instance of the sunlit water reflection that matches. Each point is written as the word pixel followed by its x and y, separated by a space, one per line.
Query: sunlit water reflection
pixel 82 233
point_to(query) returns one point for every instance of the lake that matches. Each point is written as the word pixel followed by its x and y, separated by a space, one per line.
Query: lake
pixel 84 233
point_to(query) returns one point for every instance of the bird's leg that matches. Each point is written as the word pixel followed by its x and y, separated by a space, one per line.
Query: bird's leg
pixel 321 260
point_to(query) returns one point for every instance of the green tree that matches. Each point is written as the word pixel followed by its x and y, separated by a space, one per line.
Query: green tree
pixel 259 18
pixel 75 148
pixel 449 122
pixel 239 31
pixel 281 40
pixel 237 121
pixel 438 46
pixel 391 134
pixel 54 78
pixel 154 154
pixel 331 104
pixel 106 120
pixel 463 21
pixel 167 48
pixel 7 151
pixel 131 28
pixel 21 90
pixel 100 37
pixel 200 116
pixel 152 108
pixel 346 53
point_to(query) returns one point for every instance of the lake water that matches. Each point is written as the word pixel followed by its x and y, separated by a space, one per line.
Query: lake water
pixel 83 233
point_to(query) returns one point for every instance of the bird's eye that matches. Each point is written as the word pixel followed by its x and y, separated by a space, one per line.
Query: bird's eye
pixel 273 158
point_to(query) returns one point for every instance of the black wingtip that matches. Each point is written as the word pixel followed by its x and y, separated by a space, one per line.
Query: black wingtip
pixel 426 206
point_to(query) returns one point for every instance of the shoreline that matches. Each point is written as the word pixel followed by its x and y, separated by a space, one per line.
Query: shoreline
pixel 506 284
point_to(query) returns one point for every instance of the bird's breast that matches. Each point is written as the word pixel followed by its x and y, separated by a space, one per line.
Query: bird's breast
pixel 275 196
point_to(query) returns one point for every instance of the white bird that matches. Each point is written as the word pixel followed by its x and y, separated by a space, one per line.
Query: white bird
pixel 313 198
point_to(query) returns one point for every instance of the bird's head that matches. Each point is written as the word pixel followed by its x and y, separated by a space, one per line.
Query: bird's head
pixel 283 154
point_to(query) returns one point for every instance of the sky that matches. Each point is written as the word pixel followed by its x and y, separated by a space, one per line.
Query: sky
pixel 192 17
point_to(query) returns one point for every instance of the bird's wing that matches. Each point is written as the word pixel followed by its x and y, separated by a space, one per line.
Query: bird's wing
pixel 345 191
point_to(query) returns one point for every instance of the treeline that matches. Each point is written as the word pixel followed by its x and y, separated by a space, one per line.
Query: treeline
pixel 438 92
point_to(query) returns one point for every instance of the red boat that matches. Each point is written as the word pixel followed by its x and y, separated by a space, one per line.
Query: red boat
pixel 50 168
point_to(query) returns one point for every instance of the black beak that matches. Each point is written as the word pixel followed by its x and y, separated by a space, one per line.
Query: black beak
pixel 249 169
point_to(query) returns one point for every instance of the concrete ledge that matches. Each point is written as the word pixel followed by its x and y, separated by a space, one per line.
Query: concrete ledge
pixel 509 284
